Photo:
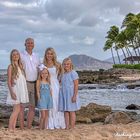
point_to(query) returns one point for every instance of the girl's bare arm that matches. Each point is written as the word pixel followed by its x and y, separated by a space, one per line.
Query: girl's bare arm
pixel 10 82
pixel 38 89
pixel 51 91
pixel 76 82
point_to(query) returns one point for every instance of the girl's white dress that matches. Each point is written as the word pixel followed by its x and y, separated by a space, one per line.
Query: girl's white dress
pixel 56 118
pixel 20 89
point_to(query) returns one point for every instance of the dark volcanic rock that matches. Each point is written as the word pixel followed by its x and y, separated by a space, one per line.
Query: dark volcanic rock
pixel 5 112
pixel 93 113
pixel 133 107
pixel 118 117
pixel 106 76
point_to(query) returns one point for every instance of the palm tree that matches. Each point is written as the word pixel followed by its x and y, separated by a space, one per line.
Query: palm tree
pixel 108 45
pixel 129 34
pixel 128 38
pixel 121 43
pixel 131 23
pixel 127 20
pixel 112 34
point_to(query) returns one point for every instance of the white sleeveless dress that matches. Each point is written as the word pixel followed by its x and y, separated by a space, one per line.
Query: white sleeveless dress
pixel 56 118
pixel 20 89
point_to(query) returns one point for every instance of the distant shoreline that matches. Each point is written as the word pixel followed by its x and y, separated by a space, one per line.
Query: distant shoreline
pixel 110 76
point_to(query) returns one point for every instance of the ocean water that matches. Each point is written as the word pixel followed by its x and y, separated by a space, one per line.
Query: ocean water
pixel 118 97
pixel 3 71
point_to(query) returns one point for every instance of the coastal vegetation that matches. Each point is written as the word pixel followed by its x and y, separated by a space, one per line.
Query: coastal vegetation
pixel 125 39
pixel 127 66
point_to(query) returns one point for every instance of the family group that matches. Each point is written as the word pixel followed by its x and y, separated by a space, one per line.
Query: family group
pixel 50 86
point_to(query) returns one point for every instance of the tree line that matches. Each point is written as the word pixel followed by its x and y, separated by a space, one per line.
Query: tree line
pixel 126 38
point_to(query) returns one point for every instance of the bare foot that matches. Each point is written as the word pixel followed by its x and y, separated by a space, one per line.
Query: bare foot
pixel 67 128
pixel 11 130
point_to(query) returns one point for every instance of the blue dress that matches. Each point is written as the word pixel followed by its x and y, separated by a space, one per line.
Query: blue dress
pixel 45 102
pixel 67 92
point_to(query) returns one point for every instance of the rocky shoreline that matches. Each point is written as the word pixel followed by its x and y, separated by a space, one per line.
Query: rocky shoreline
pixel 92 113
pixel 110 76
pixel 93 121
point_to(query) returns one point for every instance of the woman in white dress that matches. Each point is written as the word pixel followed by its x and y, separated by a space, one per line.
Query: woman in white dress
pixel 18 92
pixel 56 118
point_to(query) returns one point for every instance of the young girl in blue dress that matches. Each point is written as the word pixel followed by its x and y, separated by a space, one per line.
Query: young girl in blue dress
pixel 68 99
pixel 44 95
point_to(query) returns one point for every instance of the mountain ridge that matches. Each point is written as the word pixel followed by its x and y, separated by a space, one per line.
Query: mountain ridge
pixel 85 62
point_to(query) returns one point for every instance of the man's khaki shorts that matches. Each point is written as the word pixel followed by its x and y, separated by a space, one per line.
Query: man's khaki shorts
pixel 31 86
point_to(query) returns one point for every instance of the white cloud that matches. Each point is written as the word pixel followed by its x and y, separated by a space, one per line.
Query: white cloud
pixel 86 40
pixel 18 5
pixel 70 26
pixel 89 41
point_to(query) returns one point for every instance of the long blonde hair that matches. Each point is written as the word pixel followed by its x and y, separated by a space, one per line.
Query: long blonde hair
pixel 55 62
pixel 15 72
pixel 65 60
pixel 48 78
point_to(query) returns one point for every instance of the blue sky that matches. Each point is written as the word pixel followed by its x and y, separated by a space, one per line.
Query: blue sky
pixel 69 26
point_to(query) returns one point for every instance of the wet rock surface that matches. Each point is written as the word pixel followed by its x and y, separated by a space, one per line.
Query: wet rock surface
pixel 105 76
pixel 118 117
pixel 133 107
pixel 92 113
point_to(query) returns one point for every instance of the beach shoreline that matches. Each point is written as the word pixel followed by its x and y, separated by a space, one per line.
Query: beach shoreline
pixel 98 131
pixel 94 131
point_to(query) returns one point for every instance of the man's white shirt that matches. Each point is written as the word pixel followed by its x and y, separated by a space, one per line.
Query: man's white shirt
pixel 30 65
